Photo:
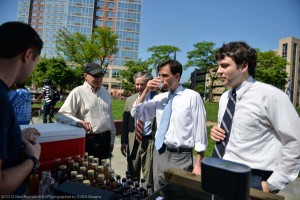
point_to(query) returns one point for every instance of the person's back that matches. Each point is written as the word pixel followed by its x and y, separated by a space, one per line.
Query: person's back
pixel 47 98
pixel 19 152
pixel 21 102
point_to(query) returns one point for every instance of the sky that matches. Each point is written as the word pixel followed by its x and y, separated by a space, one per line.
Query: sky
pixel 183 23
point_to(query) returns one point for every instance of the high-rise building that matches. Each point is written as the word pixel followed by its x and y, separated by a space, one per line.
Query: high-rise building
pixel 289 49
pixel 122 16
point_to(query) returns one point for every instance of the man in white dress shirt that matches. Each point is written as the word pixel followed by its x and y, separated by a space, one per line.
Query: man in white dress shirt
pixel 187 122
pixel 265 126
pixel 89 106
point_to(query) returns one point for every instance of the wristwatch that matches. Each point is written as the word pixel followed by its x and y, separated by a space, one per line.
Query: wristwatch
pixel 271 188
pixel 36 163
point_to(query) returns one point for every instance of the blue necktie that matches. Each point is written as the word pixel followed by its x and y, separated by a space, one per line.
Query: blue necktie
pixel 164 123
pixel 226 123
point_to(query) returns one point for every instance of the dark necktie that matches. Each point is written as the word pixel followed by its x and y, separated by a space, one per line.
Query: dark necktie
pixel 139 130
pixel 226 123
pixel 164 123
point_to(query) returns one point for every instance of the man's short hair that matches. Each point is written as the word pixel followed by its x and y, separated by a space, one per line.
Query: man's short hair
pixel 175 66
pixel 147 76
pixel 241 53
pixel 16 38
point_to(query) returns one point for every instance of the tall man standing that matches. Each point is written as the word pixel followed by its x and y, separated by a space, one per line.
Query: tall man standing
pixel 138 136
pixel 89 106
pixel 263 130
pixel 19 53
pixel 180 116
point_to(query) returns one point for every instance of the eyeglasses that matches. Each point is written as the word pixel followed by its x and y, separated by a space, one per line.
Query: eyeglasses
pixel 99 75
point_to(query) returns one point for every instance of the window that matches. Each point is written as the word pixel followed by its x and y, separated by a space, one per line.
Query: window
pixel 100 4
pixel 111 5
pixel 110 14
pixel 99 13
pixel 99 22
pixel 115 73
pixel 109 24
pixel 284 50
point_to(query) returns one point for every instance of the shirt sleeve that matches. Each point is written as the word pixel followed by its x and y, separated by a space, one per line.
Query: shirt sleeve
pixel 67 113
pixel 286 122
pixel 199 121
pixel 144 111
pixel 113 127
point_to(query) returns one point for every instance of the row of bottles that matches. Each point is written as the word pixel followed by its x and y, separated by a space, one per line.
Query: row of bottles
pixel 89 171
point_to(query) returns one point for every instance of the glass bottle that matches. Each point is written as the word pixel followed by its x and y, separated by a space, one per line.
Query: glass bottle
pixel 91 158
pixel 105 171
pixel 91 177
pixel 100 169
pixel 135 180
pixel 86 156
pixel 86 182
pixel 111 173
pixel 149 189
pixel 73 175
pixel 112 184
pixel 82 170
pixel 96 160
pixel 103 162
pixel 124 180
pixel 79 178
pixel 77 158
pixel 33 184
pixel 100 181
pixel 57 168
pixel 63 174
pixel 118 177
pixel 75 167
pixel 46 185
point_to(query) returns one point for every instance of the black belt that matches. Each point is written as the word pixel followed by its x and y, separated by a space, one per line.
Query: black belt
pixel 178 149
pixel 147 137
pixel 102 134
pixel 262 173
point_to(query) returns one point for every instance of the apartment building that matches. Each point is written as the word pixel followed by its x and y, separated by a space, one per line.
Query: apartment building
pixel 289 49
pixel 122 16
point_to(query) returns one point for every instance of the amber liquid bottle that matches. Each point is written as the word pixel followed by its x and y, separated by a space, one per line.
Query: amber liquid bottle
pixel 33 184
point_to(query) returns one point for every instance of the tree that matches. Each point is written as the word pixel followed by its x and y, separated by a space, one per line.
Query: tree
pixel 271 69
pixel 79 49
pixel 57 70
pixel 162 53
pixel 128 75
pixel 203 57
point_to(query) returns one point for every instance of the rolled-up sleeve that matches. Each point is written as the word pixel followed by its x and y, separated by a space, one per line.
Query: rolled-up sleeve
pixel 144 111
pixel 199 122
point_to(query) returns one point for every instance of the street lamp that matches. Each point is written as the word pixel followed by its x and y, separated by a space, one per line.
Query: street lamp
pixel 121 87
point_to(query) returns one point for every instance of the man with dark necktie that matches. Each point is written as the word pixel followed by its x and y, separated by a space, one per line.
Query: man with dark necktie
pixel 137 135
pixel 258 125
pixel 181 122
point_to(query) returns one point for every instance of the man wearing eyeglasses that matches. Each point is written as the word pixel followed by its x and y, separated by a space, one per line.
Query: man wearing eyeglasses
pixel 89 106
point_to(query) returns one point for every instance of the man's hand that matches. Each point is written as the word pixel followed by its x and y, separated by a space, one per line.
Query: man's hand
pixel 30 134
pixel 154 83
pixel 217 134
pixel 33 149
pixel 86 125
pixel 124 149
pixel 264 186
pixel 197 169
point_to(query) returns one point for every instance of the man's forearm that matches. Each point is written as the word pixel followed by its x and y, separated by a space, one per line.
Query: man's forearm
pixel 142 97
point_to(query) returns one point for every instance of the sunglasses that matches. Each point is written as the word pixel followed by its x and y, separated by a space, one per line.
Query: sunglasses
pixel 99 75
